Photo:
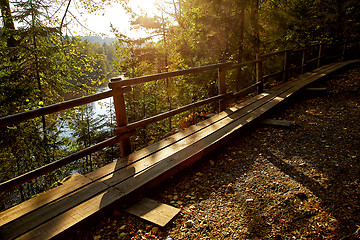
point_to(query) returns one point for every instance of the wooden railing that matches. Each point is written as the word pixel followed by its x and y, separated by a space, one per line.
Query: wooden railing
pixel 119 87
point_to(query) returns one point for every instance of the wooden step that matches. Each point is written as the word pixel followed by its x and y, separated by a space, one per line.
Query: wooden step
pixel 276 122
pixel 153 211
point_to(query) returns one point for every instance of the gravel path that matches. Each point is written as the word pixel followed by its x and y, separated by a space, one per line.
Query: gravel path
pixel 301 182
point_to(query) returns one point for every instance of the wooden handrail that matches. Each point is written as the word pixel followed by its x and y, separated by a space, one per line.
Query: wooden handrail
pixel 125 130
pixel 247 90
pixel 300 49
pixel 10 184
pixel 263 56
pixel 164 115
pixel 20 117
pixel 139 80
pixel 273 74
pixel 238 65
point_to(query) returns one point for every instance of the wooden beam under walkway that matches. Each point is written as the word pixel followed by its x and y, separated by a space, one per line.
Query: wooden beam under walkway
pixel 57 210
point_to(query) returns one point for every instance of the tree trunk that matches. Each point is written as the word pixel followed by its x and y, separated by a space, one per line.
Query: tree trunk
pixel 9 26
pixel 256 25
pixel 8 21
pixel 239 83
pixel 341 28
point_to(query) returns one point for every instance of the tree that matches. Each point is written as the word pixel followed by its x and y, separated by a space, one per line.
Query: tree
pixel 38 66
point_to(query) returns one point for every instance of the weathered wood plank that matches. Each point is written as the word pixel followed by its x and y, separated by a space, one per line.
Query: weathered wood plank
pixel 113 180
pixel 111 177
pixel 316 74
pixel 45 198
pixel 61 205
pixel 195 150
pixel 181 143
pixel 163 144
pixel 322 90
pixel 166 164
pixel 153 211
pixel 154 161
pixel 275 122
pixel 67 219
pixel 43 214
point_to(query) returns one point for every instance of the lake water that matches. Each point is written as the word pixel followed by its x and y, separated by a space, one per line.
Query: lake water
pixel 98 108
pixel 102 107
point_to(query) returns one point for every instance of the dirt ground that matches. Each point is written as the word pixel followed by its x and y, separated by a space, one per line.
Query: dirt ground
pixel 301 182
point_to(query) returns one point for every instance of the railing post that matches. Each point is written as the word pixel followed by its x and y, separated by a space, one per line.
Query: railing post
pixel 320 53
pixel 222 87
pixel 259 74
pixel 121 119
pixel 286 65
pixel 343 52
pixel 304 59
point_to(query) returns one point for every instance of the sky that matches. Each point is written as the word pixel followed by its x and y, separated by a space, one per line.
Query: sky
pixel 99 23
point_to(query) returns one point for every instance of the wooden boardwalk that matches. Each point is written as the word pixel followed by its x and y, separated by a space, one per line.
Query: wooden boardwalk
pixel 57 210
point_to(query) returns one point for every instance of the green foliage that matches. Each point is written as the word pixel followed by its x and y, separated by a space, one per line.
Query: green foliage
pixel 296 23
pixel 38 67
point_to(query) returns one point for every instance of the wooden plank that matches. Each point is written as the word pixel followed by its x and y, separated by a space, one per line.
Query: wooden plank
pixel 112 176
pixel 153 211
pixel 274 53
pixel 316 89
pixel 129 173
pixel 43 199
pixel 142 154
pixel 316 74
pixel 247 90
pixel 238 65
pixel 177 145
pixel 43 214
pixel 275 122
pixel 220 129
pixel 195 150
pixel 303 77
pixel 64 221
pixel 286 65
pixel 177 148
pixel 124 175
pixel 127 187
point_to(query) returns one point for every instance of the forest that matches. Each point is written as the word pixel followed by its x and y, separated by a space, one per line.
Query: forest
pixel 42 63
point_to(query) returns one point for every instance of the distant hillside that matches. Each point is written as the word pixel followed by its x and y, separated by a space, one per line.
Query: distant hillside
pixel 98 39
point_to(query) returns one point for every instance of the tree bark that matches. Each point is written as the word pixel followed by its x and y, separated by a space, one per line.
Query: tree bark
pixel 9 26
pixel 240 57
pixel 256 25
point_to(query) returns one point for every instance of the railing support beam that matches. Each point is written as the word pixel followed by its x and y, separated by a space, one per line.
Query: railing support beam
pixel 303 60
pixel 259 74
pixel 222 88
pixel 320 53
pixel 121 118
pixel 286 65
